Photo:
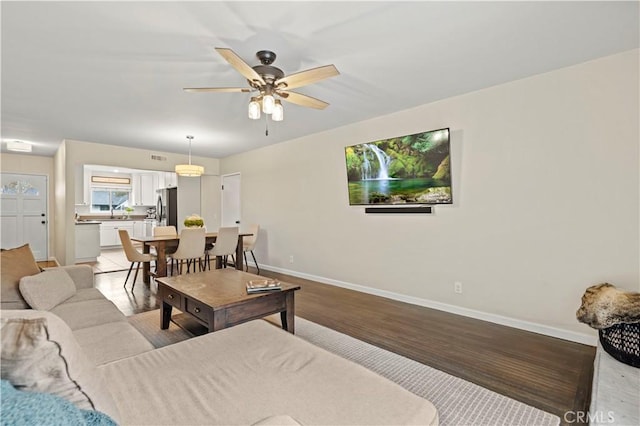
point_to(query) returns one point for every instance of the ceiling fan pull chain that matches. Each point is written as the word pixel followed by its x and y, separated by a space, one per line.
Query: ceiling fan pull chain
pixel 266 125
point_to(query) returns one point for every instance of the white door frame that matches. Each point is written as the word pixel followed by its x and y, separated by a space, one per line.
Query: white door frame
pixel 230 207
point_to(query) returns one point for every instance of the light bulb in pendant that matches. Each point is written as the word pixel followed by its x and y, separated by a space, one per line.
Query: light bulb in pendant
pixel 278 111
pixel 268 102
pixel 254 109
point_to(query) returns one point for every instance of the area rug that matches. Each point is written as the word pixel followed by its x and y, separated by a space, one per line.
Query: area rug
pixel 458 401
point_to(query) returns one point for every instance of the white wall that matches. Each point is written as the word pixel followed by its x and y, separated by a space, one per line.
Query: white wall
pixel 63 203
pixel 189 198
pixel 546 197
pixel 37 165
pixel 210 201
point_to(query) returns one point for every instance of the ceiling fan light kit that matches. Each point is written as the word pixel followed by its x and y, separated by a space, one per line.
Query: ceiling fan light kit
pixel 189 170
pixel 270 82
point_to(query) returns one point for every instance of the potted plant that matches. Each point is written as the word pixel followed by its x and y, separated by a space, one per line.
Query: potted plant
pixel 194 221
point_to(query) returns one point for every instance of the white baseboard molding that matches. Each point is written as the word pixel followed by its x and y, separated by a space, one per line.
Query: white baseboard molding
pixel 533 327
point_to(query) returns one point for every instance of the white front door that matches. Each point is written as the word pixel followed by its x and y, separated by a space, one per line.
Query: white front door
pixel 231 200
pixel 23 213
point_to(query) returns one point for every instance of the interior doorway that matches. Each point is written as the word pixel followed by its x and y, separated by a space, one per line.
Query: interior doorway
pixel 231 200
pixel 24 218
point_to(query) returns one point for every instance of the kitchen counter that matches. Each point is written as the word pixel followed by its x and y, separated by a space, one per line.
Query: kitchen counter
pixel 131 218
pixel 88 222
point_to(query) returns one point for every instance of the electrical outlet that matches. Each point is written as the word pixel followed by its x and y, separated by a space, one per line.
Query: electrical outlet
pixel 291 259
pixel 457 287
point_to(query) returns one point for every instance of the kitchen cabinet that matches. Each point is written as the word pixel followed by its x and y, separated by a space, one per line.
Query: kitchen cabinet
pixel 87 242
pixel 144 188
pixel 139 228
pixel 148 184
pixel 148 227
pixel 167 180
pixel 109 232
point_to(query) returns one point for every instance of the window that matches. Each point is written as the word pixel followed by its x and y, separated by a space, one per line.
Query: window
pixel 106 199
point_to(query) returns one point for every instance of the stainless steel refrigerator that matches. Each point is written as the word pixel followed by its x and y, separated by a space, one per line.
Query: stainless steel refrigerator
pixel 167 207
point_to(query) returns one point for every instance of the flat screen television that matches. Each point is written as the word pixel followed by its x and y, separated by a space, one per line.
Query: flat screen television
pixel 410 169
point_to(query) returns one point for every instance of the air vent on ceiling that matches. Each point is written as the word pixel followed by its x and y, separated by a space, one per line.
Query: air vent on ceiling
pixel 158 157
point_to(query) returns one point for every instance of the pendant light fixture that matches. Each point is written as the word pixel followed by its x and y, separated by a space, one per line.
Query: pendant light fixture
pixel 189 170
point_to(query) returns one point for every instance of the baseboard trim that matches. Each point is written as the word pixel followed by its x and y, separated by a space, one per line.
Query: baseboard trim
pixel 533 327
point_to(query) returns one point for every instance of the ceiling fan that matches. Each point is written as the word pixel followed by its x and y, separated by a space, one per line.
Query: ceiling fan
pixel 269 81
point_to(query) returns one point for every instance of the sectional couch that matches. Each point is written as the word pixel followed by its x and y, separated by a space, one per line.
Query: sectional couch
pixel 252 373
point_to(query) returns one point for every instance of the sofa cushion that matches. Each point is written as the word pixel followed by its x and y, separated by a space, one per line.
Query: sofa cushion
pixel 252 371
pixel 85 294
pixel 47 289
pixel 40 354
pixel 88 313
pixel 16 263
pixel 112 341
pixel 82 275
pixel 38 408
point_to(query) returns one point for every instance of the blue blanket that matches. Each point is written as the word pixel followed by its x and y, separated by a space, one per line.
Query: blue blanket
pixel 35 408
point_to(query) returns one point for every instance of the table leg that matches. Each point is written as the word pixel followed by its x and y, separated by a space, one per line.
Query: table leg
pixel 239 253
pixel 216 320
pixel 161 270
pixel 288 316
pixel 165 315
pixel 145 266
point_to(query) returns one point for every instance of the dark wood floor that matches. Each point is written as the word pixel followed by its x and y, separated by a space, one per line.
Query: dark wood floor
pixel 551 374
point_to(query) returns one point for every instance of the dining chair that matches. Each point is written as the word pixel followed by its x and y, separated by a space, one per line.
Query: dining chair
pixel 168 231
pixel 133 256
pixel 225 246
pixel 190 248
pixel 249 243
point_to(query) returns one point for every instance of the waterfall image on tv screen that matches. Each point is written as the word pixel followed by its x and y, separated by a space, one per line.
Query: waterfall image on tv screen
pixel 411 169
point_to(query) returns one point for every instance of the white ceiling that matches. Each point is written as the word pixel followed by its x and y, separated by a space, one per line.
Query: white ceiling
pixel 113 72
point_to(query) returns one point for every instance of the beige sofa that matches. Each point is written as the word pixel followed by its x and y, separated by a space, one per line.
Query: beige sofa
pixel 253 373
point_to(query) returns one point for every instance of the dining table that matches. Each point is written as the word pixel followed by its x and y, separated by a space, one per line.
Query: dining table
pixel 162 242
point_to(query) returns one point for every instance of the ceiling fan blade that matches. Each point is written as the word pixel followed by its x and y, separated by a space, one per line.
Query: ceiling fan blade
pixel 241 66
pixel 217 89
pixel 303 78
pixel 303 100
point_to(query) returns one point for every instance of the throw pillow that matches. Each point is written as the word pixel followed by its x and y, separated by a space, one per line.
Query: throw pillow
pixel 47 289
pixel 40 354
pixel 16 263
pixel 36 408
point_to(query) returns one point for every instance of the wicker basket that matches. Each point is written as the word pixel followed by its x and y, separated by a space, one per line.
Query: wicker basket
pixel 622 341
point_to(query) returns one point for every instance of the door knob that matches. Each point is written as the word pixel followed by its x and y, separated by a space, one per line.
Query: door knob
pixel 42 214
pixel 43 222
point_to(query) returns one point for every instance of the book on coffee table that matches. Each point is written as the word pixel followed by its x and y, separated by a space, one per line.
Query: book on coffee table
pixel 257 286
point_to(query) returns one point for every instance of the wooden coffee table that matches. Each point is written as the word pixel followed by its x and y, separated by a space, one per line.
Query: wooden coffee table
pixel 218 299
